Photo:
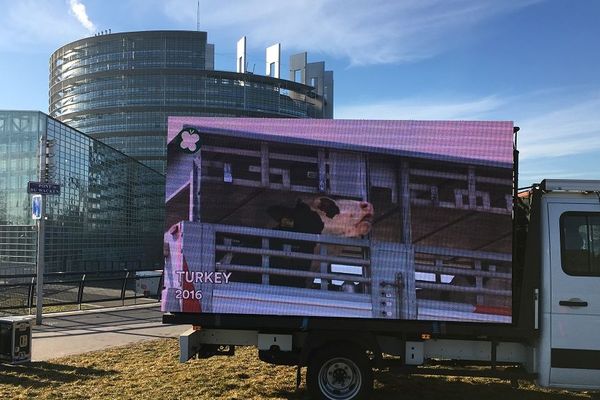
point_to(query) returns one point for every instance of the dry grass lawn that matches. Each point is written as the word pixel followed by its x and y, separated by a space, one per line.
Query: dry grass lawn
pixel 150 370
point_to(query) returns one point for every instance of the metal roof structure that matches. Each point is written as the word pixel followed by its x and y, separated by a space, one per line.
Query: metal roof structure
pixel 488 143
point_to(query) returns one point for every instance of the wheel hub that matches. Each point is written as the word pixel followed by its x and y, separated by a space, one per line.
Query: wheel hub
pixel 339 379
pixel 339 375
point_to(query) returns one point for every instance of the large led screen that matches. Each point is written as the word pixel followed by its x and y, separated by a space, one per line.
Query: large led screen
pixel 405 220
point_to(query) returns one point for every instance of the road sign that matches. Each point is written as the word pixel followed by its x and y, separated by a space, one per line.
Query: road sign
pixel 43 188
pixel 36 206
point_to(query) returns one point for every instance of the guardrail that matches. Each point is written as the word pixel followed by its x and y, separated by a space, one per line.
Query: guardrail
pixel 478 277
pixel 321 258
pixel 18 292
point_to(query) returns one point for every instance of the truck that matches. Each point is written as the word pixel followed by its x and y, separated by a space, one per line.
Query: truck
pixel 343 246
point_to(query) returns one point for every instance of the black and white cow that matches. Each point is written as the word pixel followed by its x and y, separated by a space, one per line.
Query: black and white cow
pixel 346 218
pixel 319 215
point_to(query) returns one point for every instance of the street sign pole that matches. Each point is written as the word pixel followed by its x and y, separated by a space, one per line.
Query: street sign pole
pixel 40 190
pixel 39 300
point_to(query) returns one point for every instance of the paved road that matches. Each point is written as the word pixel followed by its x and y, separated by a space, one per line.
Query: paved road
pixel 79 332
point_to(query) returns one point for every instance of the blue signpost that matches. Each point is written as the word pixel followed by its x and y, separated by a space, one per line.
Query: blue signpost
pixel 39 190
pixel 36 206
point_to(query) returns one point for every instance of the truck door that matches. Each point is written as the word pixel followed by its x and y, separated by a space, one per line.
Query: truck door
pixel 575 294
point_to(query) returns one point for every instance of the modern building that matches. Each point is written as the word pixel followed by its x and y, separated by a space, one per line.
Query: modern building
pixel 109 213
pixel 121 87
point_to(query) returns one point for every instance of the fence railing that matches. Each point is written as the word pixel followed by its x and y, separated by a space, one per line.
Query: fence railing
pixel 18 292
pixel 478 277
pixel 324 251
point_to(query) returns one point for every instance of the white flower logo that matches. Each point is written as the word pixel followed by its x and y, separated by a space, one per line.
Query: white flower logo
pixel 189 140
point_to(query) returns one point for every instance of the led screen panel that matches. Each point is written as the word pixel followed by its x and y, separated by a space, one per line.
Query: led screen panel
pixel 401 220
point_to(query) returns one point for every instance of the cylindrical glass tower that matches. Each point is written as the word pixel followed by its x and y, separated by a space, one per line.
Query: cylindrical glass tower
pixel 120 88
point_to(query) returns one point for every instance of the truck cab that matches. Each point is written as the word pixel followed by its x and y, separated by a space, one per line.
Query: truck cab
pixel 568 353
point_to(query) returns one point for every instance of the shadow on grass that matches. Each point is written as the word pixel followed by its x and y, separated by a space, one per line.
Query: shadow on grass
pixel 300 394
pixel 390 386
pixel 41 374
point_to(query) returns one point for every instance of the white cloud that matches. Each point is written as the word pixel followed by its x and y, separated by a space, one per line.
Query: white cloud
pixel 78 10
pixel 529 175
pixel 365 32
pixel 549 128
pixel 30 25
pixel 570 129
pixel 419 108
pixel 560 127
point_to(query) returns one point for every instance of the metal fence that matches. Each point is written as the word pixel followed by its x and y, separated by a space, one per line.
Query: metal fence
pixel 18 292
pixel 17 249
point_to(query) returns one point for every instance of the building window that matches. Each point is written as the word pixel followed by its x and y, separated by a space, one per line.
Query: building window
pixel 314 82
pixel 580 243
pixel 298 75
pixel 272 69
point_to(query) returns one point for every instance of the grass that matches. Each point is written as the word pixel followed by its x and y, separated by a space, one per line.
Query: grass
pixel 151 370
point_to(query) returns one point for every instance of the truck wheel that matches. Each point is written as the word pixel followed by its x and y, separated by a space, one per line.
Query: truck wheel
pixel 339 373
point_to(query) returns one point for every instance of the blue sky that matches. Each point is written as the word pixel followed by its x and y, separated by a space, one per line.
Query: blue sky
pixel 533 62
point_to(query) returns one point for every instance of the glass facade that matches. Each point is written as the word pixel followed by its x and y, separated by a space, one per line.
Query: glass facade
pixel 19 142
pixel 120 88
pixel 110 210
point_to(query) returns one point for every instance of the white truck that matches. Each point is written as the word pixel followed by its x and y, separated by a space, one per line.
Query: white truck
pixel 552 331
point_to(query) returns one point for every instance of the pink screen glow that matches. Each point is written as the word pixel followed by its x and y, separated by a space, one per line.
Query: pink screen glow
pixel 475 140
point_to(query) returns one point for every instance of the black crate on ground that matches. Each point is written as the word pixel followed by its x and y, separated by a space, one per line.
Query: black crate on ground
pixel 15 339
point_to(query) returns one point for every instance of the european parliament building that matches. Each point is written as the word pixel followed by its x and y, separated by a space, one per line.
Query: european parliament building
pixel 108 216
pixel 121 87
pixel 105 139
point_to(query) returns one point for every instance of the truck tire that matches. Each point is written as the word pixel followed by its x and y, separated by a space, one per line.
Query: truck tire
pixel 339 373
